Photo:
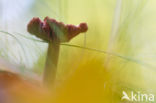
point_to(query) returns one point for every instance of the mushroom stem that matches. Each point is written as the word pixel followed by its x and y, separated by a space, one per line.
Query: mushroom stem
pixel 51 63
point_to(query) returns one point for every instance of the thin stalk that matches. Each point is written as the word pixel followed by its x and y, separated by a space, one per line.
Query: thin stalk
pixel 51 63
pixel 114 31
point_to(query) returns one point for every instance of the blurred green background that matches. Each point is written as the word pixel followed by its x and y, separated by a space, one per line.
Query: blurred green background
pixel 125 29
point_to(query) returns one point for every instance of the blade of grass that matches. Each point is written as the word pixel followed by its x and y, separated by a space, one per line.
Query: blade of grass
pixel 95 50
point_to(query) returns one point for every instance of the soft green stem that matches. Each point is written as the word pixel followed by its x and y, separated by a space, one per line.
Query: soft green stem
pixel 51 63
pixel 114 31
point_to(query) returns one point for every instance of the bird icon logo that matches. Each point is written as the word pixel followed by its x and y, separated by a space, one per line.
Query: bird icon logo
pixel 125 96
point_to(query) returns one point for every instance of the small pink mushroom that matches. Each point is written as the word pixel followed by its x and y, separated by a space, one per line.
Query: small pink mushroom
pixel 54 33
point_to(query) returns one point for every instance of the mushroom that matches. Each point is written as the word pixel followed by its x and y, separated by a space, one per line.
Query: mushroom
pixel 54 33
